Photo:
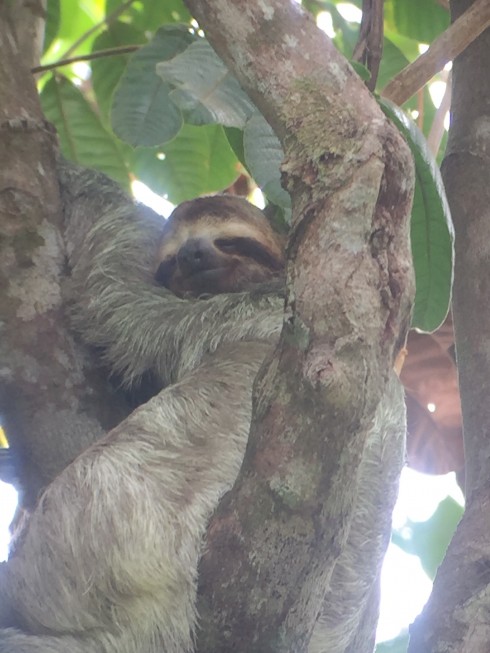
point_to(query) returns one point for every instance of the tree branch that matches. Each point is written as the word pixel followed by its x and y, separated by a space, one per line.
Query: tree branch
pixel 445 48
pixel 369 47
pixel 350 290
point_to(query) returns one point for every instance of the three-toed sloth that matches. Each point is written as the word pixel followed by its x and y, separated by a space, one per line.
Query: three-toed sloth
pixel 107 562
pixel 217 245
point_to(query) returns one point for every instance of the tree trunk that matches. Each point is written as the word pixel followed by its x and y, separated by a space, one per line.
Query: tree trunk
pixel 455 616
pixel 350 176
pixel 53 401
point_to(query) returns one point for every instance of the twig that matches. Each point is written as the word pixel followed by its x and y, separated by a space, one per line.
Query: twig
pixel 110 52
pixel 420 110
pixel 437 130
pixel 445 48
pixel 369 46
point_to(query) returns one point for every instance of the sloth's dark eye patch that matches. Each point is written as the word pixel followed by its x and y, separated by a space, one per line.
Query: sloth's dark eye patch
pixel 229 245
pixel 165 270
pixel 249 248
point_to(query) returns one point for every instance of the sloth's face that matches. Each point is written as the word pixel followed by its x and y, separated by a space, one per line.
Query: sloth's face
pixel 204 253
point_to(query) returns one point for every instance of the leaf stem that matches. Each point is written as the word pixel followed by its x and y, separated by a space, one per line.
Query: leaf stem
pixel 109 52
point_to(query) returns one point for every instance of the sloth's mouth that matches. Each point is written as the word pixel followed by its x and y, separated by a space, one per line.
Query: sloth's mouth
pixel 209 282
pixel 209 274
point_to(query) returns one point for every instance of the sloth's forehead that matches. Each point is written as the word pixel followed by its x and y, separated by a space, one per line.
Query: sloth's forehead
pixel 218 210
pixel 208 227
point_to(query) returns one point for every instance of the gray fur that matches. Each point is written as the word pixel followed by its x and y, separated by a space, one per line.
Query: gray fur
pixel 108 561
pixel 355 580
pixel 140 325
pixel 114 543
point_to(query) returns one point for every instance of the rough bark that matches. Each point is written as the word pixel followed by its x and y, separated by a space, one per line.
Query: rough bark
pixel 28 19
pixel 52 402
pixel 455 619
pixel 350 176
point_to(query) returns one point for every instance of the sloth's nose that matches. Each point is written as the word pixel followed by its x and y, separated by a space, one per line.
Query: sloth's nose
pixel 196 254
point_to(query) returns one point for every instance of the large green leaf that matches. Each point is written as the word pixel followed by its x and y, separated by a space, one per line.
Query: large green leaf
pixel 148 16
pixel 432 231
pixel 198 161
pixel 107 71
pixel 53 19
pixel 429 539
pixel 392 62
pixel 83 138
pixel 77 19
pixel 207 93
pixel 263 156
pixel 235 139
pixel 204 88
pixel 421 20
pixel 409 47
pixel 142 112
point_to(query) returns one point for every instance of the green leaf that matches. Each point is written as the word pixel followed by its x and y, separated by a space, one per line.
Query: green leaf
pixel 429 539
pixel 53 19
pixel 421 20
pixel 83 138
pixel 142 112
pixel 409 47
pixel 397 645
pixel 107 71
pixel 199 161
pixel 392 62
pixel 432 231
pixel 235 139
pixel 147 16
pixel 346 33
pixel 205 90
pixel 77 19
pixel 263 156
pixel 361 70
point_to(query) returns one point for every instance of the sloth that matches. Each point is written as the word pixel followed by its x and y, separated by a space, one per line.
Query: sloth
pixel 219 244
pixel 107 562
